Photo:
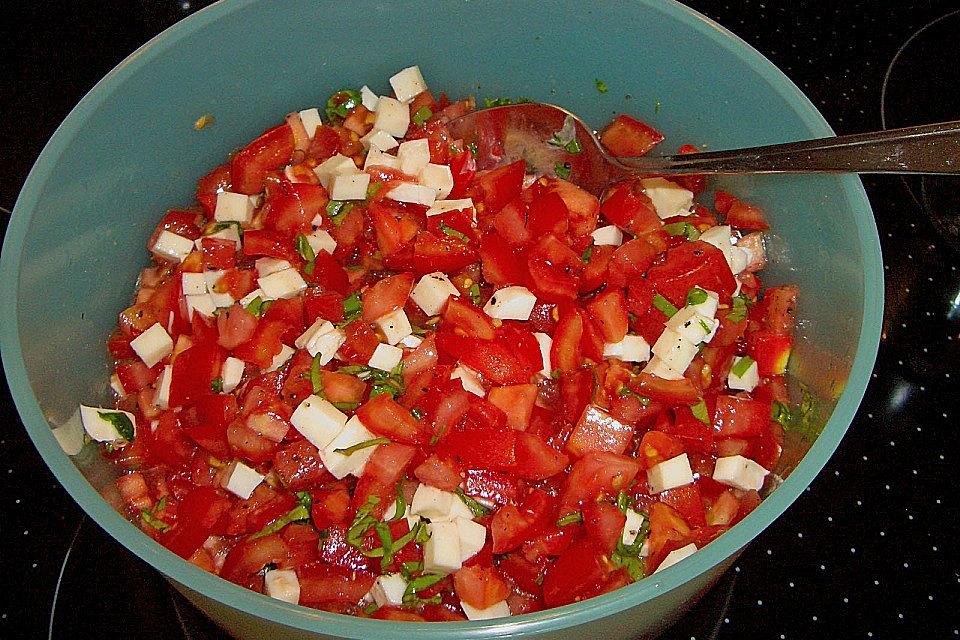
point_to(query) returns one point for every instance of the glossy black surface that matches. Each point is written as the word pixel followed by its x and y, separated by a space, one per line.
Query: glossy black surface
pixel 867 551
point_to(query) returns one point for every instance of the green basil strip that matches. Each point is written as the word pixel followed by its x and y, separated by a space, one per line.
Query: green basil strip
pixel 316 377
pixel 684 229
pixel 474 292
pixel 450 231
pixel 664 305
pixel 601 85
pixel 400 506
pixel 300 512
pixel 362 445
pixel 696 295
pixel 627 391
pixel 121 422
pixel 352 307
pixel 304 249
pixel 780 412
pixel 421 116
pixel 624 501
pixel 475 507
pixel 587 254
pixel 742 366
pixel 341 103
pixel 362 522
pixel 570 518
pixel 738 312
pixel 216 385
pixel 699 411
pixel 562 169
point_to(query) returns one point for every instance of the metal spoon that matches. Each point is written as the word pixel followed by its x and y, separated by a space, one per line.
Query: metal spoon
pixel 544 135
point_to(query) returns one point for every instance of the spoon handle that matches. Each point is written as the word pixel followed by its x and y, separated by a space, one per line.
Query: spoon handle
pixel 930 148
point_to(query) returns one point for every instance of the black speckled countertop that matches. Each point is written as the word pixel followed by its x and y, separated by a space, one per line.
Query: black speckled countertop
pixel 867 552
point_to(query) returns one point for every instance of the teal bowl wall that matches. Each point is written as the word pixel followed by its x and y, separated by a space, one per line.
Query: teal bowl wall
pixel 129 151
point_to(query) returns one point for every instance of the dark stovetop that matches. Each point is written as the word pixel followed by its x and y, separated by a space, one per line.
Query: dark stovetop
pixel 866 552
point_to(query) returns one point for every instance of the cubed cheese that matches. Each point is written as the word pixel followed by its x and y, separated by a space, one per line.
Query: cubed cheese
pixel 709 306
pixel 498 610
pixel 230 234
pixel 469 379
pixel 231 373
pixel 394 325
pixel 388 590
pixel 250 297
pixel 202 304
pixel 407 84
pixel 607 236
pixel 674 350
pixel 411 342
pixel 459 509
pixel 117 386
pixel 437 176
pixel 432 291
pixel 240 480
pixel 153 345
pixel 693 327
pixel 432 503
pixel 282 584
pixel 412 193
pixel 441 553
pixel 676 556
pixel 669 198
pixel 334 166
pixel 233 207
pixel 321 240
pixel 349 186
pixel 376 157
pixel 720 237
pixel 340 465
pixel 161 396
pixel 413 156
pixel 546 344
pixel 99 423
pixel 742 473
pixel 748 381
pixel 170 245
pixel 310 118
pixel 321 338
pixel 670 474
pixel 630 349
pixel 657 367
pixel 193 284
pixel 269 266
pixel 286 352
pixel 380 140
pixel 393 117
pixel 631 528
pixel 318 421
pixel 368 98
pixel 511 303
pixel 69 435
pixel 472 536
pixel 443 206
pixel 282 284
pixel 385 357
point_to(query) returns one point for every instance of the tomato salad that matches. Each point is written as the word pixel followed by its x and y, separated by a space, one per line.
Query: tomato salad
pixel 364 376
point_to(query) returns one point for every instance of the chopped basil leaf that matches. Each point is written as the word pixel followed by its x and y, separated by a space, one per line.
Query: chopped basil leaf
pixel 699 412
pixel 316 377
pixel 475 507
pixel 417 413
pixel 216 385
pixel 373 189
pixel 742 366
pixel 346 406
pixel 347 451
pixel 450 231
pixel 341 103
pixel 738 312
pixel 220 226
pixel 408 568
pixel 362 522
pixel 120 422
pixel 623 501
pixel 696 295
pixel 352 307
pixel 587 254
pixel 306 252
pixel 371 608
pixel 684 229
pixel 420 583
pixel 570 518
pixel 149 516
pixel 473 148
pixel 298 513
pixel 555 374
pixel 656 106
pixel 566 137
pixel 627 391
pixel 601 85
pixel 562 169
pixel 337 210
pixel 421 116
pixel 474 292
pixel 780 412
pixel 400 506
pixel 497 102
pixel 664 305
pixel 255 307
pixel 628 556
pixel 383 381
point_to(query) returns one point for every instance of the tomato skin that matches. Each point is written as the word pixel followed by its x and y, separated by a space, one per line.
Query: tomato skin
pixel 687 502
pixel 537 460
pixel 576 574
pixel 207 187
pixel 193 372
pixel 512 525
pixel 630 209
pixel 386 295
pixel 197 512
pixel 603 523
pixel 692 264
pixel 492 449
pixel 597 430
pixel 627 137
pixel 771 352
pixel 480 587
pixel 739 418
pixel 595 472
pixel 299 465
pixel 516 401
pixel 609 311
pixel 291 210
pixel 270 151
pixel 463 166
pixel 269 243
pixel 466 318
pixel 432 252
pixel 499 186
pixel 383 416
pixel 554 270
pixel 502 264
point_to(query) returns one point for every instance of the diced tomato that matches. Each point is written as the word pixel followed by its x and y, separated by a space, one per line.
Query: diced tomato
pixel 603 523
pixel 666 526
pixel 170 443
pixel 516 401
pixel 577 574
pixel 360 344
pixel 209 185
pixel 197 512
pixel 264 345
pixel 512 525
pixel 480 587
pixel 432 252
pixel 565 352
pixel 467 319
pixel 498 186
pixel 500 488
pixel 630 209
pixel 299 465
pixel 554 269
pixel 331 505
pixel 670 392
pixel 692 264
pixel 193 373
pixel 386 295
pixel 292 209
pixel 490 358
pixel 537 460
pixel 778 309
pixel 627 137
pixel 547 213
pixel 687 502
pixel 583 208
pixel 383 416
pixel 135 375
pixel 439 471
pixel 597 430
pixel 206 422
pixel 382 472
pixel 770 351
pixel 217 253
pixel 632 259
pixel 596 271
pixel 395 226
pixel 321 582
pixel 738 417
pixel 463 166
pixel 493 449
pixel 595 472
pixel 609 311
pixel 502 264
pixel 739 214
pixel 269 243
pixel 270 151
pixel 329 274
pixel 656 447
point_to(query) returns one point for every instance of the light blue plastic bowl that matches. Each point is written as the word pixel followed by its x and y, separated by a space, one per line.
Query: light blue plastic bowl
pixel 129 151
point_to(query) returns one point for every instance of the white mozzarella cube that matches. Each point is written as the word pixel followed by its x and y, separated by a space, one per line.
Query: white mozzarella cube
pixel 233 207
pixel 631 528
pixel 170 245
pixel 473 536
pixel 385 357
pixel 240 480
pixel 376 157
pixel 388 590
pixel 546 344
pixel 395 326
pixel 693 327
pixel 321 240
pixel 349 186
pixel 674 350
pixel 748 381
pixel 459 509
pixel 669 198
pixel 250 297
pixel 676 556
pixel 498 610
pixel 282 284
pixel 212 278
pixel 721 237
pixel 202 304
pixel 230 233
pixel 153 345
pixel 231 373
pixel 412 193
pixel 443 206
pixel 607 236
pixel 340 465
pixel 100 428
pixel 335 165
pixel 310 118
pixel 411 341
pixel 318 421
pixel 117 386
pixel 511 303
pixel 432 503
pixel 441 553
pixel 282 584
pixel 469 379
pixel 630 349
pixel 380 140
pixel 161 396
pixel 437 176
pixel 193 284
pixel 740 472
pixel 408 84
pixel 69 435
pixel 709 306
pixel 657 367
pixel 393 117
pixel 281 358
pixel 432 291
pixel 368 98
pixel 321 338
pixel 413 156
pixel 670 474
pixel 269 266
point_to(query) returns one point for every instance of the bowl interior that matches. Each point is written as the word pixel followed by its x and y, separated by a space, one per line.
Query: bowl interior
pixel 129 151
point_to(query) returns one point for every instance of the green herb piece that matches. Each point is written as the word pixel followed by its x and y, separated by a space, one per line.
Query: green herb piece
pixel 628 556
pixel 474 293
pixel 410 567
pixel 683 229
pixel 220 226
pixel 352 308
pixel 699 412
pixel 472 147
pixel 570 518
pixel 316 377
pixel 555 374
pixel 341 103
pixel 741 366
pixel 475 507
pixel 216 385
pixel 420 583
pixel 346 406
pixel 366 444
pixel 298 513
pixel 566 137
pixel 562 169
pixel 624 501
pixel 362 522
pixel 656 106
pixel 601 85
pixel 149 516
pixel 497 102
pixel 806 419
pixel 373 189
pixel 337 210
pixel 665 306
pixel 390 382
pixel 780 412
pixel 306 252
pixel 417 413
pixel 626 391
pixel 587 255
pixel 450 231
pixel 121 422
pixel 400 505
pixel 696 295
pixel 421 116
pixel 371 608
pixel 255 307
pixel 738 312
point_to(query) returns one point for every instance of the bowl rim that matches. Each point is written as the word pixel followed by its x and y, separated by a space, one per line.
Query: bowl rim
pixel 306 619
